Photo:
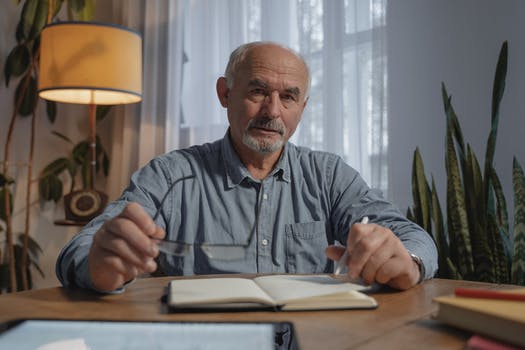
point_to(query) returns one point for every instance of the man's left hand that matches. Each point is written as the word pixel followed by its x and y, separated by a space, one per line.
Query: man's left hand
pixel 376 255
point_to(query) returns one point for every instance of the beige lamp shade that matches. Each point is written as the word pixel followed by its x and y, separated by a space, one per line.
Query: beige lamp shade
pixel 90 63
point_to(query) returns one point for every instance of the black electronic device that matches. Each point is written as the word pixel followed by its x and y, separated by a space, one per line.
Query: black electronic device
pixel 94 335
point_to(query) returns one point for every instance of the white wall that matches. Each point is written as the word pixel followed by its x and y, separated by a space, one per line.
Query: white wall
pixel 457 42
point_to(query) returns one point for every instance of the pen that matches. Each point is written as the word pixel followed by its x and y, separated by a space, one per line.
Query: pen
pixel 488 294
pixel 342 260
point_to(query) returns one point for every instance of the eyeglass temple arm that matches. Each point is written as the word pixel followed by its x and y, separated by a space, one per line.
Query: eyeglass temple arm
pixel 157 213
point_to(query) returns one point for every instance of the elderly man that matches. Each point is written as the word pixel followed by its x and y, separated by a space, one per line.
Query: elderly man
pixel 250 202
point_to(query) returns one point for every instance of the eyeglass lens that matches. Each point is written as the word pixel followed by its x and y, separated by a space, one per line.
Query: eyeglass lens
pixel 218 252
pixel 212 251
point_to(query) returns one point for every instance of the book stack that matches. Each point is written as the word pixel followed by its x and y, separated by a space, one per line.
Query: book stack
pixel 499 315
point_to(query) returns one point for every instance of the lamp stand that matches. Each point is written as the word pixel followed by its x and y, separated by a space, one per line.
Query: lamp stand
pixel 93 143
pixel 84 205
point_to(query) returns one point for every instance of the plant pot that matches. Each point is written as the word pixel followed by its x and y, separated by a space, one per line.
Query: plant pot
pixel 84 205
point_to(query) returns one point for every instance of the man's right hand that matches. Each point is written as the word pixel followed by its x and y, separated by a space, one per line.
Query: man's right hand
pixel 123 248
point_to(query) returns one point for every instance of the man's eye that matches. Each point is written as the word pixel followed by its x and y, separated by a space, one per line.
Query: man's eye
pixel 288 97
pixel 258 92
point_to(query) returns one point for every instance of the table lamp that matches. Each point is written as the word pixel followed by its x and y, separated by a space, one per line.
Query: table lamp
pixel 94 64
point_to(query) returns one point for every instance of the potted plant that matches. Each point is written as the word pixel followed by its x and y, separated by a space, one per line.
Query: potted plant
pixel 20 251
pixel 79 205
pixel 474 239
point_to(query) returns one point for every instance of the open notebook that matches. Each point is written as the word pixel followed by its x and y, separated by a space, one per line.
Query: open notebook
pixel 281 292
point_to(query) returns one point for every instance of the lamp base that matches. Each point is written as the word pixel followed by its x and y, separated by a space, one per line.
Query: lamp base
pixel 84 205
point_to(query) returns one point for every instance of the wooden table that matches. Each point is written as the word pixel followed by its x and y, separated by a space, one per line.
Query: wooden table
pixel 403 320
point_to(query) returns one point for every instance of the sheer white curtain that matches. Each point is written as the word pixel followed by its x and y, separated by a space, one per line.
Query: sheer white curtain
pixel 140 132
pixel 187 44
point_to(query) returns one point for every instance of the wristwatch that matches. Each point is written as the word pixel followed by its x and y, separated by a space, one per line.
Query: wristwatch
pixel 419 263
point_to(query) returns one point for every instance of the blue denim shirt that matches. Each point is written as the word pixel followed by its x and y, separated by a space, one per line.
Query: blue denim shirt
pixel 307 202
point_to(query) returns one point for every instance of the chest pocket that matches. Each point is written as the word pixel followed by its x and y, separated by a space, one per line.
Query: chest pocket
pixel 305 247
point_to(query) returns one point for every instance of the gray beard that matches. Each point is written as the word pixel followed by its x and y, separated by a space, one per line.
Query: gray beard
pixel 261 146
pixel 264 146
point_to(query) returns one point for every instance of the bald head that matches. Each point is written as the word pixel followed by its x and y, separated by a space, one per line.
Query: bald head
pixel 243 54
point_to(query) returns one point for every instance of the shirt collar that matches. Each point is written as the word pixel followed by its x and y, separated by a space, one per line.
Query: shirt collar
pixel 236 172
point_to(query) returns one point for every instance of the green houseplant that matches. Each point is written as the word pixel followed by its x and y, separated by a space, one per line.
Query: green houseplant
pixel 20 251
pixel 76 164
pixel 474 239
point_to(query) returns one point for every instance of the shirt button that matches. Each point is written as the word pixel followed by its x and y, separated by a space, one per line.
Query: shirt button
pixel 264 242
pixel 265 196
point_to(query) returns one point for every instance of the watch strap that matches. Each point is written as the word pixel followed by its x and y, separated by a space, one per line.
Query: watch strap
pixel 420 265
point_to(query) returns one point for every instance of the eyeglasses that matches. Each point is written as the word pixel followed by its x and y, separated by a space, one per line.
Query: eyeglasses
pixel 213 251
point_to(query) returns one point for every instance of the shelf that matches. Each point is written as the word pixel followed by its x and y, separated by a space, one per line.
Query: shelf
pixel 70 223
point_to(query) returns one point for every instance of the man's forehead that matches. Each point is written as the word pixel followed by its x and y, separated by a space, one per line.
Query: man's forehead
pixel 256 82
pixel 274 76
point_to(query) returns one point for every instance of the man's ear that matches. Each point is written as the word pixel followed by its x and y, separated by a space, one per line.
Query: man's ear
pixel 222 91
pixel 306 102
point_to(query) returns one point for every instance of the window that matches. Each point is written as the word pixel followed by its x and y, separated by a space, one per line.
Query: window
pixel 343 43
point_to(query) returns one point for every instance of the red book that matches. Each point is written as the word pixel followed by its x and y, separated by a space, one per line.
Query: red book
pixel 489 294
pixel 477 342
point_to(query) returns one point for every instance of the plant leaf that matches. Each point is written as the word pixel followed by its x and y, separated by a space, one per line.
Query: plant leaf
pixel 57 5
pixel 33 251
pixel 51 110
pixel 17 250
pixel 410 216
pixel 469 183
pixel 482 252
pixel 34 263
pixel 497 95
pixel 476 181
pixel 76 5
pixel 36 46
pixel 50 188
pixel 479 235
pixel 44 188
pixel 27 18
pixel 453 120
pixel 440 236
pixel 87 11
pixel 500 272
pixel 17 62
pixel 19 32
pixel 420 193
pixel 102 157
pixel 452 270
pixel 457 220
pixel 4 276
pixel 72 169
pixel 32 245
pixel 102 111
pixel 86 174
pixel 81 152
pixel 501 203
pixel 29 96
pixel 62 136
pixel 40 19
pixel 56 167
pixel 4 180
pixel 499 81
pixel 3 210
pixel 105 164
pixel 518 260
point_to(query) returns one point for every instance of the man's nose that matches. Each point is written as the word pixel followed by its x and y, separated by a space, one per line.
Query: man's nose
pixel 272 105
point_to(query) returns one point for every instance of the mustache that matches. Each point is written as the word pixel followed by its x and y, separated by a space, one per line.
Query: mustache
pixel 267 123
